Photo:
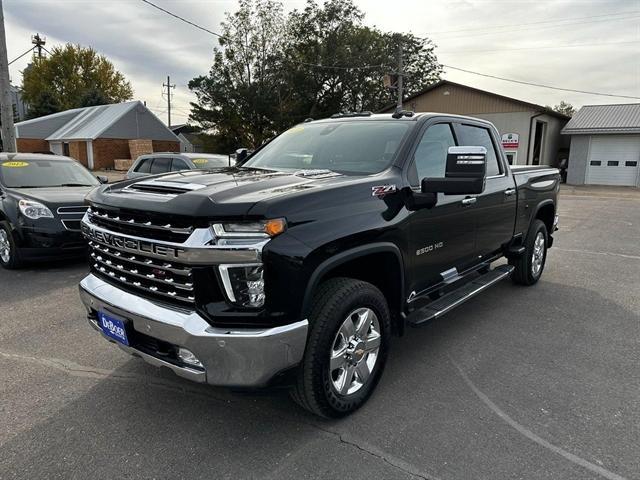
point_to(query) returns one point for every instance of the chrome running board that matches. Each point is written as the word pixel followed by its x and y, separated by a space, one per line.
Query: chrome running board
pixel 451 300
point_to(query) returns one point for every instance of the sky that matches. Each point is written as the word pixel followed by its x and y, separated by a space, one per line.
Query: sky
pixel 577 44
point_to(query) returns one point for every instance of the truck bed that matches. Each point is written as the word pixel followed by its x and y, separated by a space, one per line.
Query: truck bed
pixel 537 185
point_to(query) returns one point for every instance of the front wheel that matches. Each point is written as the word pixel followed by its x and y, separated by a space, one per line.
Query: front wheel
pixel 346 349
pixel 9 254
pixel 529 267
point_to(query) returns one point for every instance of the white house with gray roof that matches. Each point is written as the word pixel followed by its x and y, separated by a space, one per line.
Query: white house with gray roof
pixel 605 145
pixel 95 136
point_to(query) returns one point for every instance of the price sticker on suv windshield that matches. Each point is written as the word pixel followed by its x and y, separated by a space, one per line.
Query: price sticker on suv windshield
pixel 199 161
pixel 15 164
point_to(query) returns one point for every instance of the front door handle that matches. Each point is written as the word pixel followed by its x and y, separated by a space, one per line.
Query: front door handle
pixel 469 200
pixel 509 191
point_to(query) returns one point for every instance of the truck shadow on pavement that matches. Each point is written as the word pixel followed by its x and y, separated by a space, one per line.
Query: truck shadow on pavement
pixel 134 422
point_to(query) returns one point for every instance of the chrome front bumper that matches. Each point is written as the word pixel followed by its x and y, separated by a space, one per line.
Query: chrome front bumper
pixel 231 357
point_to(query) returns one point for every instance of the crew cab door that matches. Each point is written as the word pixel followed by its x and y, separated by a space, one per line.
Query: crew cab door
pixel 495 208
pixel 442 237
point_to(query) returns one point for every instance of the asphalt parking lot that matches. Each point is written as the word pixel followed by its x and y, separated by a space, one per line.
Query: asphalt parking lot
pixel 519 383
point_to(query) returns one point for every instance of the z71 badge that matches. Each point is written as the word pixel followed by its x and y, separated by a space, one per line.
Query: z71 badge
pixel 382 190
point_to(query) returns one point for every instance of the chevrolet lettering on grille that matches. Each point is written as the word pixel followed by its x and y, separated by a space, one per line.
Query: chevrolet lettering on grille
pixel 132 245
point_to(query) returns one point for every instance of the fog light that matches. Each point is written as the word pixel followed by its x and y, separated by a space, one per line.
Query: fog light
pixel 187 356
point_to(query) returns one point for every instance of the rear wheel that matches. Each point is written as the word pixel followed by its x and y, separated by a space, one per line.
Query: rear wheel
pixel 346 349
pixel 9 254
pixel 529 266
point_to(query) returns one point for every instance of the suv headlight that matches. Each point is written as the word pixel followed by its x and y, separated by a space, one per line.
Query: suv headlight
pixel 244 284
pixel 34 210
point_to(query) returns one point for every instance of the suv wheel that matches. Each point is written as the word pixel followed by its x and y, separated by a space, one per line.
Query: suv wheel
pixel 346 349
pixel 529 267
pixel 9 254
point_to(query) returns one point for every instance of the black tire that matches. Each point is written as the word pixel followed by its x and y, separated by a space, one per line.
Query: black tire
pixel 333 303
pixel 524 273
pixel 14 260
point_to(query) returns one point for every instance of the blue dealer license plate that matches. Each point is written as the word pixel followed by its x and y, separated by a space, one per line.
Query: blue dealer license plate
pixel 113 328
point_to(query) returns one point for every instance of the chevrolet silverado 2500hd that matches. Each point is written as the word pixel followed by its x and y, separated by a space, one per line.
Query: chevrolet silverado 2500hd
pixel 299 264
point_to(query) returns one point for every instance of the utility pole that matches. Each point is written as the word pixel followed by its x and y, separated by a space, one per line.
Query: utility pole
pixel 6 104
pixel 39 43
pixel 400 74
pixel 169 87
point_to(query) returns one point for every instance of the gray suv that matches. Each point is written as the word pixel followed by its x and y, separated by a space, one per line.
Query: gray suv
pixel 155 163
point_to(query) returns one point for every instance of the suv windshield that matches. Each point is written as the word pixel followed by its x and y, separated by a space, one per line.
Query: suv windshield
pixel 351 147
pixel 44 173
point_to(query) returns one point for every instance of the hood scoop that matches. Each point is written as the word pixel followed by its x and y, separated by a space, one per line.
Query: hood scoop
pixel 159 187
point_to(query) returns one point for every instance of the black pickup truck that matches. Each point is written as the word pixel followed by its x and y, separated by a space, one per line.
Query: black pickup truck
pixel 297 266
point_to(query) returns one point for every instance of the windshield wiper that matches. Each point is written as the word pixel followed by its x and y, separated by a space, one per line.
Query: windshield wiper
pixel 74 185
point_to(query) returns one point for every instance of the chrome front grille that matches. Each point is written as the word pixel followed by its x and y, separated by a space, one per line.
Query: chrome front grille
pixel 141 225
pixel 153 277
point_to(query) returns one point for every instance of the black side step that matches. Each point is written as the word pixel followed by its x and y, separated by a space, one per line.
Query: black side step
pixel 451 300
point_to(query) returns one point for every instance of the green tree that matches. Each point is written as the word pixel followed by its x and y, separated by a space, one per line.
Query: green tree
pixel 238 99
pixel 564 108
pixel 272 71
pixel 43 103
pixel 69 76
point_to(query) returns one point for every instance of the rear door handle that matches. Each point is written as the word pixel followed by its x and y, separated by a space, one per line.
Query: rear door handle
pixel 469 201
pixel 509 191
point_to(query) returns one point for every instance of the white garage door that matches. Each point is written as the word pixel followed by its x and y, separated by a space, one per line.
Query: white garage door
pixel 614 160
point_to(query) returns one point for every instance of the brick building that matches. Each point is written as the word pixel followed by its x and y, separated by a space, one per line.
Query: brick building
pixel 96 136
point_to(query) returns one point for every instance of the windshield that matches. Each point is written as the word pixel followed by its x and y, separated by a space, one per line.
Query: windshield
pixel 45 173
pixel 351 148
pixel 211 162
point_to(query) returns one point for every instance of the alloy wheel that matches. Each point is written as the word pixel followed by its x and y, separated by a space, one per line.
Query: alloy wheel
pixel 537 257
pixel 355 351
pixel 5 246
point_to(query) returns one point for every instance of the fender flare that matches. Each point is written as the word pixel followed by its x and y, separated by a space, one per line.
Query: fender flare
pixel 544 203
pixel 345 256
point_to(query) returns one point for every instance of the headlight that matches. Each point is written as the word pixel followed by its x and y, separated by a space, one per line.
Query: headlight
pixel 244 284
pixel 261 229
pixel 34 210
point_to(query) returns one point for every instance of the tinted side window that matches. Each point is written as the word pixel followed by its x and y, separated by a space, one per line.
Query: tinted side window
pixel 144 166
pixel 431 154
pixel 480 137
pixel 178 164
pixel 160 165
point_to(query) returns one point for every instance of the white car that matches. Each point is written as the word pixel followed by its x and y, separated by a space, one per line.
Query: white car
pixel 155 163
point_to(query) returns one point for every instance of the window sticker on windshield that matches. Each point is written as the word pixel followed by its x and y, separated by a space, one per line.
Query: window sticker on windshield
pixel 295 130
pixel 199 161
pixel 15 164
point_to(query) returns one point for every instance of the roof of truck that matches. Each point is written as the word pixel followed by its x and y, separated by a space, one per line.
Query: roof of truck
pixel 389 116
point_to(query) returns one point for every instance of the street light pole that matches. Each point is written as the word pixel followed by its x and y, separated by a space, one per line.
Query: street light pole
pixel 6 104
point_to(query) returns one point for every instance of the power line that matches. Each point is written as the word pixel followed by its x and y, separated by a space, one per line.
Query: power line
pixel 18 58
pixel 541 47
pixel 632 12
pixel 182 19
pixel 539 84
pixel 481 34
pixel 336 67
pixel 339 67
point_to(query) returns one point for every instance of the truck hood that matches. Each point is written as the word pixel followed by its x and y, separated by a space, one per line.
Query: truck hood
pixel 232 191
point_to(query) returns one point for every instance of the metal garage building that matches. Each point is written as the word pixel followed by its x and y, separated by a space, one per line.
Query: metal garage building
pixel 605 145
